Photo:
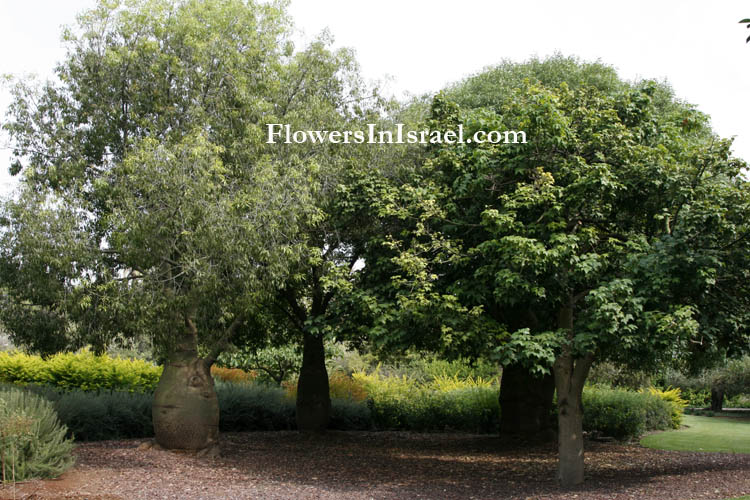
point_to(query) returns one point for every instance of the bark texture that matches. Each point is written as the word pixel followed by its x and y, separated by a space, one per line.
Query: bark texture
pixel 570 375
pixel 186 408
pixel 313 396
pixel 526 402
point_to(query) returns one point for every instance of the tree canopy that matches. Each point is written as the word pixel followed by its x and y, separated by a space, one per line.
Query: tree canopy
pixel 617 232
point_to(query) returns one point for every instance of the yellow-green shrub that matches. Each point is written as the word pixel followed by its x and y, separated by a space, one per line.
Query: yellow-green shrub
pixel 340 386
pixel 673 396
pixel 442 403
pixel 81 370
pixel 343 386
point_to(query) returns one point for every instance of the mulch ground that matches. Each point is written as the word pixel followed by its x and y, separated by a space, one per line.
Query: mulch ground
pixel 386 465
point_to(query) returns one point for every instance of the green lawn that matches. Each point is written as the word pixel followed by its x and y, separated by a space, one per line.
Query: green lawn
pixel 725 434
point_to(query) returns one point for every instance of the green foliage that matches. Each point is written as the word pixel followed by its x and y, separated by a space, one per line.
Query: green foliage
pixel 448 403
pixel 33 443
pixel 83 370
pixel 274 364
pixel 610 374
pixel 96 416
pixel 607 208
pixel 746 21
pixel 673 396
pixel 149 195
pixel 350 415
pixel 734 377
pixel 254 407
pixel 624 414
pixel 738 401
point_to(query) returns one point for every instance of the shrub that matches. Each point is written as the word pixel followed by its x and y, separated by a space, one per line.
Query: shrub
pixel 33 443
pixel 739 401
pixel 82 370
pixel 350 415
pixel 92 416
pixel 733 378
pixel 343 386
pixel 672 395
pixel 254 407
pixel 608 374
pixel 624 414
pixel 235 375
pixel 399 403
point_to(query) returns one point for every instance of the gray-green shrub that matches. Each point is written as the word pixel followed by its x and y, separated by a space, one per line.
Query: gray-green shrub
pixel 33 442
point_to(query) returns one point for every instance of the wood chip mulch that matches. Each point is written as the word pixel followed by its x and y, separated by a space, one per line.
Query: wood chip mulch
pixel 385 465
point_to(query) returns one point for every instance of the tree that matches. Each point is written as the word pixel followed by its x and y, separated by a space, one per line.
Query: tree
pixel 613 233
pixel 526 396
pixel 312 304
pixel 152 203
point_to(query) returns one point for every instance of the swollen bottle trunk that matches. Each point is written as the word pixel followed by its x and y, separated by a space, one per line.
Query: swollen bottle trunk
pixel 185 411
pixel 313 398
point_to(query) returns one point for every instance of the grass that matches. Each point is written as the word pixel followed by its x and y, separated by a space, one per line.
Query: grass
pixel 731 435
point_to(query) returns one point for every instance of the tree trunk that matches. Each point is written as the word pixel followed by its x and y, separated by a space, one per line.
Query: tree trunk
pixel 186 409
pixel 717 399
pixel 526 401
pixel 313 397
pixel 570 375
pixel 570 429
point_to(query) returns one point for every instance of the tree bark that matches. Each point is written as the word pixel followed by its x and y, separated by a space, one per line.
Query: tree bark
pixel 313 396
pixel 526 402
pixel 570 375
pixel 186 409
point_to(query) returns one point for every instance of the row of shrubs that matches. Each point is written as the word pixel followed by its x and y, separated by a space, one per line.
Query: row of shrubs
pixel 82 370
pixel 91 416
pixel 732 380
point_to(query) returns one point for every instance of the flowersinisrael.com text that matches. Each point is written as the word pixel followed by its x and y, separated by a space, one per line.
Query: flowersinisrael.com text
pixel 281 133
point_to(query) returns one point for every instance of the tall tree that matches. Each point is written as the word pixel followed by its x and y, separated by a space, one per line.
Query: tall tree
pixel 603 237
pixel 526 396
pixel 152 201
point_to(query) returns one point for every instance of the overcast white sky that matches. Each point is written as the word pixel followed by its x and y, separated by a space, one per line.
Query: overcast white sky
pixel 698 46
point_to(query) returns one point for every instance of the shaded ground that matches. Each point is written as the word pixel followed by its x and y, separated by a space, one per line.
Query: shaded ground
pixel 386 465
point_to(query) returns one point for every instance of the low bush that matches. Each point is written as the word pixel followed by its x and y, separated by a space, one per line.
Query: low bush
pixel 92 416
pixel 83 370
pixel 398 403
pixel 33 443
pixel 254 407
pixel 624 414
pixel 235 375
pixel 349 415
pixel 677 405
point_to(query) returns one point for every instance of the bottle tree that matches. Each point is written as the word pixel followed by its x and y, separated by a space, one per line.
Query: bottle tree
pixel 151 202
